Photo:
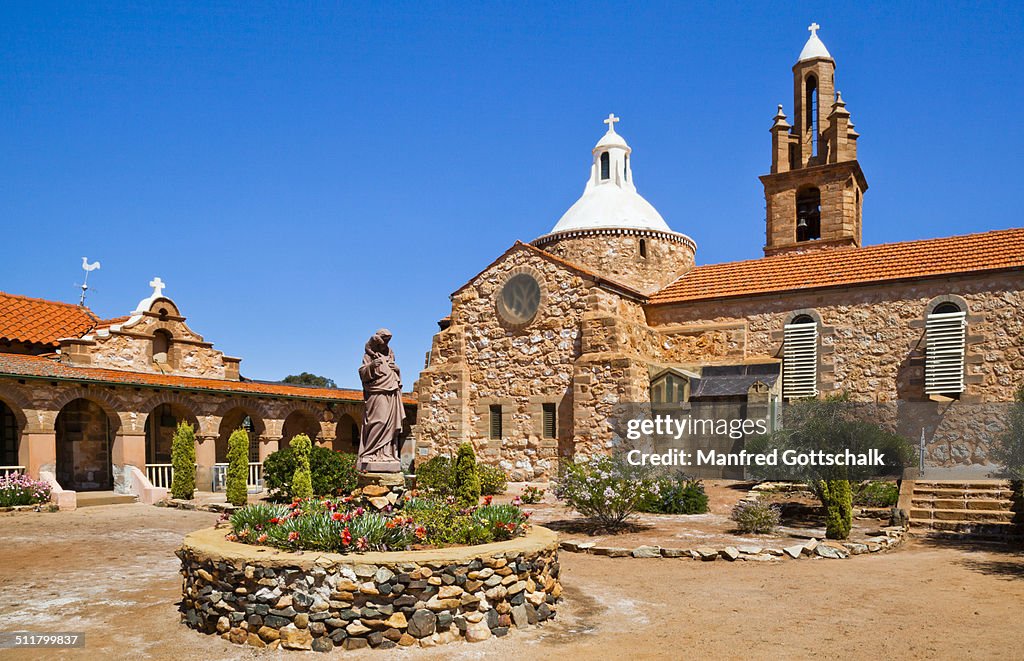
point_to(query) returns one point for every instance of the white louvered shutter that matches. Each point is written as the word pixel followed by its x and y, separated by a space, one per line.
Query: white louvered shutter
pixel 946 334
pixel 800 360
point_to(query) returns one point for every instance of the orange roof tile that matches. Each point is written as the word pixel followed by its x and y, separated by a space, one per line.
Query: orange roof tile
pixel 843 267
pixel 37 321
pixel 47 368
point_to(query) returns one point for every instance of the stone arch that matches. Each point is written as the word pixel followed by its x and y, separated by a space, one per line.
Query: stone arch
pixel 109 401
pixel 231 420
pixel 85 430
pixel 300 421
pixel 250 403
pixel 346 435
pixel 958 301
pixel 163 413
pixel 18 404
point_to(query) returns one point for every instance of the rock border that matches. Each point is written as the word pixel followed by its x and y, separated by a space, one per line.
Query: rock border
pixel 38 507
pixel 891 538
pixel 267 597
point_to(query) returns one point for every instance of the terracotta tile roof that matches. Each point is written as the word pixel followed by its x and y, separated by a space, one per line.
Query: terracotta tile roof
pixel 987 251
pixel 18 365
pixel 107 323
pixel 37 321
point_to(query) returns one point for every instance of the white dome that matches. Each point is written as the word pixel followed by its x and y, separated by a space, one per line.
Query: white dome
pixel 606 206
pixel 610 199
pixel 814 46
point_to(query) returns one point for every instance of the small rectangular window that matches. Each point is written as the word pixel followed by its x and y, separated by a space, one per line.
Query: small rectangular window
pixel 800 360
pixel 550 426
pixel 496 427
pixel 946 334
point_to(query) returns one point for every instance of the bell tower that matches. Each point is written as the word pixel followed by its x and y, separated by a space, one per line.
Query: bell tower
pixel 815 191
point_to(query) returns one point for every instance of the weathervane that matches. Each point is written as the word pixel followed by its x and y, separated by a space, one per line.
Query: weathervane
pixel 87 267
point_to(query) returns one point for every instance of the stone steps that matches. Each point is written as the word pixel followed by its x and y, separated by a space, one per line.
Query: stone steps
pixel 95 498
pixel 963 508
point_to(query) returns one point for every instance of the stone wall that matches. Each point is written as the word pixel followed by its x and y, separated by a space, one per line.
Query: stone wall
pixel 616 254
pixel 874 345
pixel 317 601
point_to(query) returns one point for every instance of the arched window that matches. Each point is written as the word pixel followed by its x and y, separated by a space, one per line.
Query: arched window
pixel 606 166
pixel 811 120
pixel 808 214
pixel 161 346
pixel 625 169
pixel 800 358
pixel 643 248
pixel 945 348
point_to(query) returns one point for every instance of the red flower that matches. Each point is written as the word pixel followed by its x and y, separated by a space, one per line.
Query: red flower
pixel 293 536
pixel 337 516
pixel 421 533
pixel 346 537
pixel 488 499
pixel 359 511
pixel 275 520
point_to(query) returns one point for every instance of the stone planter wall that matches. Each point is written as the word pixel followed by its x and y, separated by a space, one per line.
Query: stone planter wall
pixel 310 600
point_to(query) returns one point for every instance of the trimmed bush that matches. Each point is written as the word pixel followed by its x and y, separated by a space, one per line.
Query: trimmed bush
pixel 302 480
pixel 436 476
pixel 606 489
pixel 238 468
pixel 333 472
pixel 876 494
pixel 20 489
pixel 183 459
pixel 676 494
pixel 838 500
pixel 492 480
pixel 1009 447
pixel 467 477
pixel 756 518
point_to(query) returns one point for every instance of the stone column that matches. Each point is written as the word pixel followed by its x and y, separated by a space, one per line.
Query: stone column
pixel 129 450
pixel 38 451
pixel 206 457
pixel 268 446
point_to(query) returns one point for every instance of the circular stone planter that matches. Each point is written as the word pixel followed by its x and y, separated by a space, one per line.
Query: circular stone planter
pixel 267 597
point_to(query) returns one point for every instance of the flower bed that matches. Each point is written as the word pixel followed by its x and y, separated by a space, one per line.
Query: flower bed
pixel 341 525
pixel 319 600
pixel 18 489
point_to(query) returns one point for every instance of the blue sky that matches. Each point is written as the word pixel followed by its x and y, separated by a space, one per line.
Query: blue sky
pixel 302 175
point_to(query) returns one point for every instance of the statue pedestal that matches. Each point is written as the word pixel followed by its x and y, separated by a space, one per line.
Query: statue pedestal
pixel 379 467
pixel 381 489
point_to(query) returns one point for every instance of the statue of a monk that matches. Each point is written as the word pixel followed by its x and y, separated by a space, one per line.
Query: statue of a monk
pixel 383 413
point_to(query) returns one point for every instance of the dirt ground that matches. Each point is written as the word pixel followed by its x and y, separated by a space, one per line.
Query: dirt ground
pixel 800 522
pixel 110 572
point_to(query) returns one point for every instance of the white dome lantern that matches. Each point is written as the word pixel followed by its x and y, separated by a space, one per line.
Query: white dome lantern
pixel 610 199
pixel 814 48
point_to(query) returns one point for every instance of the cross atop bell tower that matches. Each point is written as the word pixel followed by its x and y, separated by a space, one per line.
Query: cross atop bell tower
pixel 815 190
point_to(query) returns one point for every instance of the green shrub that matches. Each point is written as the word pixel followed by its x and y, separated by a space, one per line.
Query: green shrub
pixel 877 494
pixel 606 489
pixel 436 476
pixel 1009 447
pixel 467 477
pixel 492 480
pixel 676 494
pixel 302 480
pixel 183 460
pixel 838 500
pixel 757 518
pixel 332 472
pixel 238 468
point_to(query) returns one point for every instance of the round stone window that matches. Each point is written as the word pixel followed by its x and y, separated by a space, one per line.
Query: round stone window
pixel 519 299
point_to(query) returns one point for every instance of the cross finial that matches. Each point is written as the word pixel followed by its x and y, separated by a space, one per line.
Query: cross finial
pixel 611 121
pixel 814 27
pixel 158 287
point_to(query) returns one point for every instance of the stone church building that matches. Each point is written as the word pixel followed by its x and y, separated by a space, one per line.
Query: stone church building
pixel 92 404
pixel 610 306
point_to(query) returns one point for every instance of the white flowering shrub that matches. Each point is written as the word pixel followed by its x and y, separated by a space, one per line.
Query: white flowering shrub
pixel 605 489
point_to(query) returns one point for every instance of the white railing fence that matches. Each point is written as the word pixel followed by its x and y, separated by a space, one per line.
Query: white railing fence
pixel 11 470
pixel 160 475
pixel 254 480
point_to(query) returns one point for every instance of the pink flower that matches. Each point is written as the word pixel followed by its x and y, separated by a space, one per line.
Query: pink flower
pixel 293 536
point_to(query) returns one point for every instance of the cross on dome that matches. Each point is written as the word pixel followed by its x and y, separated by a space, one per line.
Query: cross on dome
pixel 813 28
pixel 813 48
pixel 158 287
pixel 611 121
